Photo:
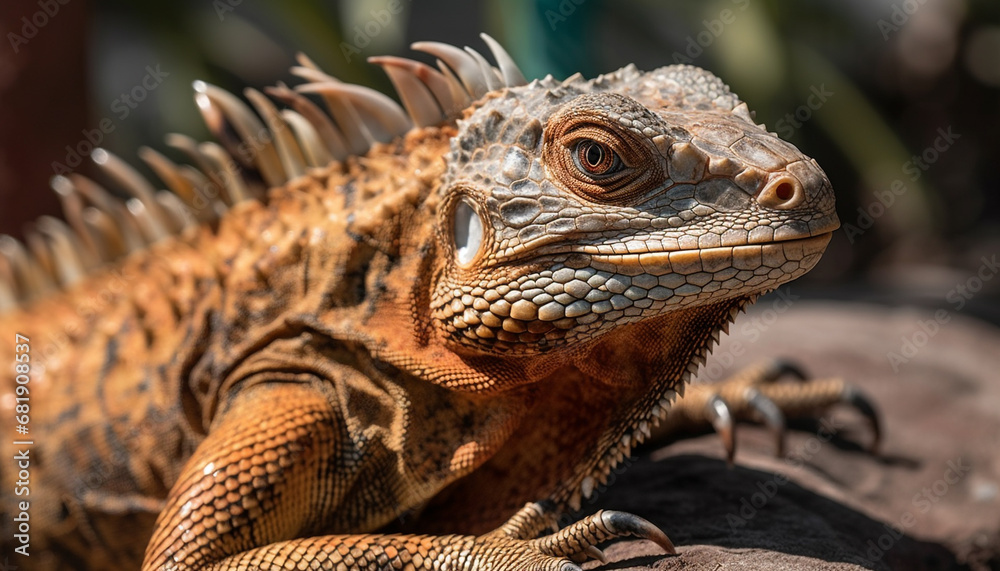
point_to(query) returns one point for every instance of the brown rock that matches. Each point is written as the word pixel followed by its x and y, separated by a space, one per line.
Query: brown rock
pixel 930 499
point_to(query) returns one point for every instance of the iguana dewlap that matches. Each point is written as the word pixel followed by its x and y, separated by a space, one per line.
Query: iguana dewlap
pixel 454 320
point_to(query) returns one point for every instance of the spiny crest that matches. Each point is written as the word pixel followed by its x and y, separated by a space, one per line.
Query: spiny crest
pixel 254 152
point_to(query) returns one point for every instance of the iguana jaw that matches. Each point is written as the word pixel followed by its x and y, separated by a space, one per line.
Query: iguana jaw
pixel 574 298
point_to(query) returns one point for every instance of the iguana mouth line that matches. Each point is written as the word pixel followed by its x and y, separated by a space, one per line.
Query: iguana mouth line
pixel 720 257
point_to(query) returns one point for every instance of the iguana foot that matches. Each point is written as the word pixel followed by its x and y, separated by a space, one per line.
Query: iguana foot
pixel 576 542
pixel 754 394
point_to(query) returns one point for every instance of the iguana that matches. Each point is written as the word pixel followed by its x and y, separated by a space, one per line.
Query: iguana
pixel 448 322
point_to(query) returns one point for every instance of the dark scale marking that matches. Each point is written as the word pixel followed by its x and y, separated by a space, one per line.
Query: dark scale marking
pixel 110 362
pixel 349 191
pixel 110 358
pixel 351 290
pixel 377 291
pixel 69 415
pixel 63 513
pixel 121 452
pixel 144 385
pixel 306 264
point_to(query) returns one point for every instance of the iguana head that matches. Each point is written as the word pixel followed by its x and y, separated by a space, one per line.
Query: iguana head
pixel 572 209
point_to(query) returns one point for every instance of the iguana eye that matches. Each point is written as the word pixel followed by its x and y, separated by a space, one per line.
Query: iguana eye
pixel 467 231
pixel 596 158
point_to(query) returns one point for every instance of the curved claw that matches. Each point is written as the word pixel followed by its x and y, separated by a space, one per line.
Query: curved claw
pixel 588 553
pixel 722 421
pixel 783 367
pixel 596 553
pixel 771 415
pixel 597 528
pixel 862 404
pixel 621 523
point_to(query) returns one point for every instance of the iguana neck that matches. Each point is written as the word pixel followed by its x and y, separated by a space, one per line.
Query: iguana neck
pixel 583 419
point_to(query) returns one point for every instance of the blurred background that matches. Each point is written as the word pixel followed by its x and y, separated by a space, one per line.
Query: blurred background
pixel 898 100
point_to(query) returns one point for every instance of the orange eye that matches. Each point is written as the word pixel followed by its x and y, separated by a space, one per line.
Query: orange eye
pixel 596 159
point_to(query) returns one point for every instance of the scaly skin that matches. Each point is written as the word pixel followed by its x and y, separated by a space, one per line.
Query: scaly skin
pixel 272 392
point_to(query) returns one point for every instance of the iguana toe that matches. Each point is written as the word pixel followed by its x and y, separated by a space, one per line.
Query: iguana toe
pixel 598 528
pixel 755 394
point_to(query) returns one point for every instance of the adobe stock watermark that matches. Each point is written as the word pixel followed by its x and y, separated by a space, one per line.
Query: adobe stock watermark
pixel 965 291
pixel 791 122
pixel 31 25
pixel 122 107
pixel 898 16
pixel 366 32
pixel 696 45
pixel 566 9
pixel 914 169
pixel 958 296
pixel 922 502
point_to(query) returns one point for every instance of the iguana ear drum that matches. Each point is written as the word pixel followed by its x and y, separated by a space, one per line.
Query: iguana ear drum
pixel 467 231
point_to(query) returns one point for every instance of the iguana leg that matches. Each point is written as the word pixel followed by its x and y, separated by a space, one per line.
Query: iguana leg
pixel 253 481
pixel 272 470
pixel 755 394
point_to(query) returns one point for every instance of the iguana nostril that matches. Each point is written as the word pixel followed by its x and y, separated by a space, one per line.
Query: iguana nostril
pixel 784 191
pixel 781 193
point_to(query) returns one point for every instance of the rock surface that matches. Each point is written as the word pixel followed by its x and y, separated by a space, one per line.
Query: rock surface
pixel 930 498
